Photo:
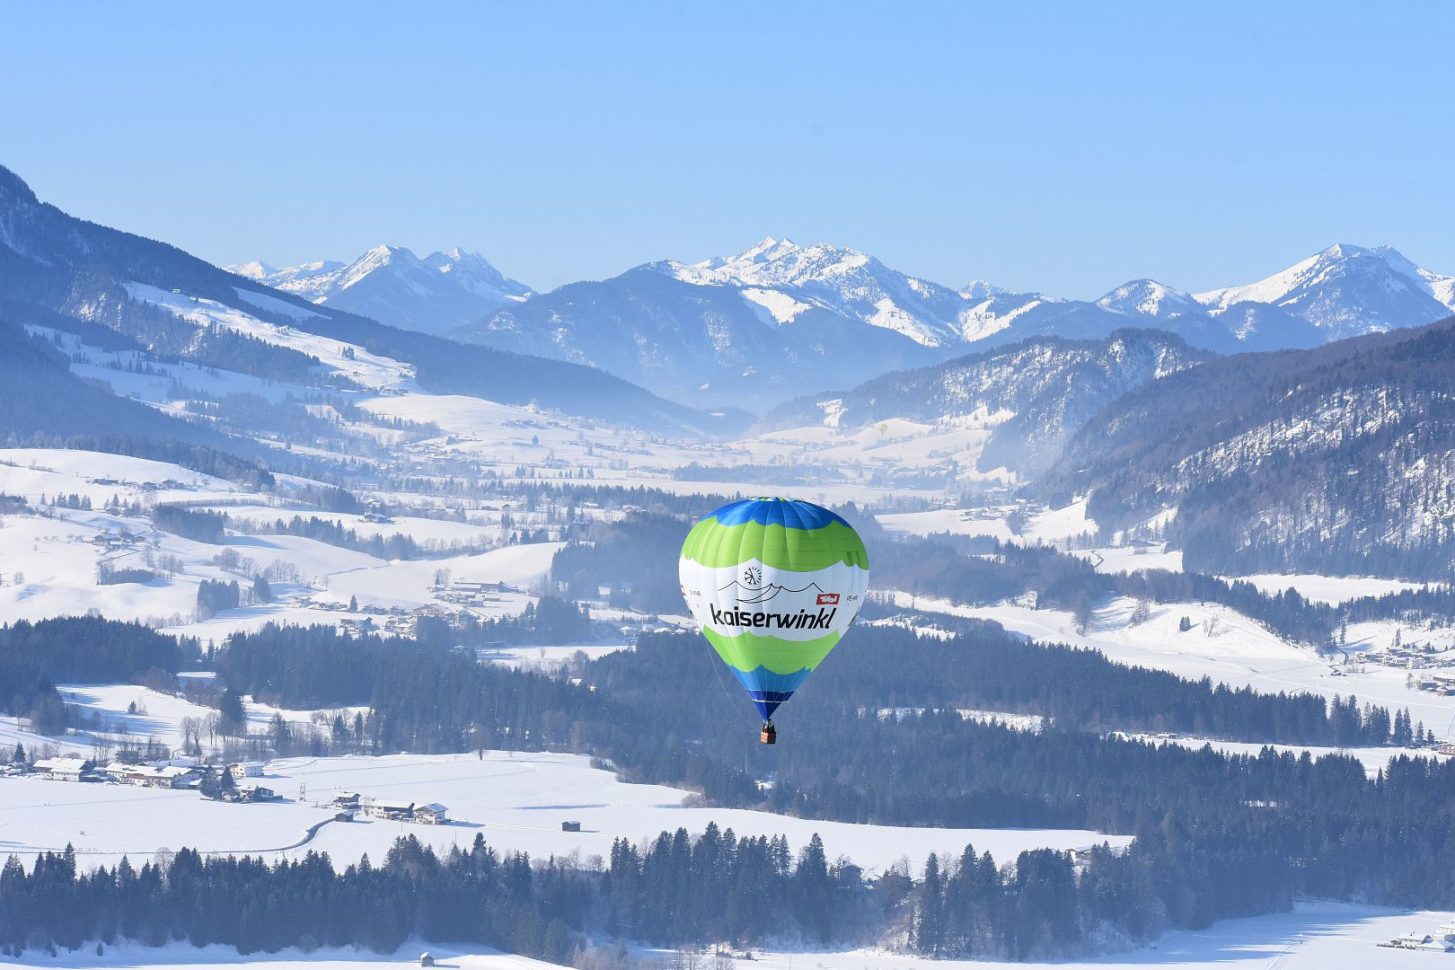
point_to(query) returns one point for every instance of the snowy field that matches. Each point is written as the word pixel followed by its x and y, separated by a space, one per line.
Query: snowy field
pixel 49 562
pixel 1131 559
pixel 1238 652
pixel 1051 526
pixel 1314 936
pixel 961 522
pixel 1373 759
pixel 1328 589
pixel 517 801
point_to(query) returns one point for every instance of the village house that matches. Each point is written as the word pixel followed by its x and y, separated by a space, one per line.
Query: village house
pixel 432 814
pixel 391 809
pixel 68 767
pixel 154 776
pixel 256 793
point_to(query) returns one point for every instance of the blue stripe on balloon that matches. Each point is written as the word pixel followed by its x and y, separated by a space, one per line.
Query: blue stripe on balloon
pixel 787 512
pixel 768 689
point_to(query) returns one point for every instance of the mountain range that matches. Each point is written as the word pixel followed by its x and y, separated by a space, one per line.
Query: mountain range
pixel 1332 458
pixel 64 274
pixel 442 291
pixel 737 330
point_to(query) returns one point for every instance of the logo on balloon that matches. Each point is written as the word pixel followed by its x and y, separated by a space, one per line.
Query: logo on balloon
pixel 827 599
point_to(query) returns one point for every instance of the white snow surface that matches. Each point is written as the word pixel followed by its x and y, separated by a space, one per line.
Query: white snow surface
pixel 1239 652
pixel 516 800
pixel 1327 589
pixel 350 360
pixel 1314 935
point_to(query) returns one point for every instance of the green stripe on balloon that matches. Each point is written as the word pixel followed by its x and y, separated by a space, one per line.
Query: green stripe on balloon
pixel 801 550
pixel 748 651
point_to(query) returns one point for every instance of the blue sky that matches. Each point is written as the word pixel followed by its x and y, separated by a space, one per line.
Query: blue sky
pixel 1060 147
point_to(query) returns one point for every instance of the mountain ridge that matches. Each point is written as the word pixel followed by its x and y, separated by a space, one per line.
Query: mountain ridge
pixel 59 266
pixel 431 294
pixel 818 300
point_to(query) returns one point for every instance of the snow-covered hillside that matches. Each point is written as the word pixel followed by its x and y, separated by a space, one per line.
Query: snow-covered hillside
pixel 1002 415
pixel 54 555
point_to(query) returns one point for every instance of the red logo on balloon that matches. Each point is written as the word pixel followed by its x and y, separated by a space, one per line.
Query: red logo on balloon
pixel 828 599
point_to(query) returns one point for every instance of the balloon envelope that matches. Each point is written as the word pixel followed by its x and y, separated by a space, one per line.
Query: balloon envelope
pixel 774 583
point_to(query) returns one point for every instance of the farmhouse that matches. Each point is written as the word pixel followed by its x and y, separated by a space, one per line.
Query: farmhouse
pixel 66 768
pixel 432 814
pixel 256 793
pixel 148 776
pixel 391 809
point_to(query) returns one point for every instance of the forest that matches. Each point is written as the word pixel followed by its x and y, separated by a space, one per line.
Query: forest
pixel 877 737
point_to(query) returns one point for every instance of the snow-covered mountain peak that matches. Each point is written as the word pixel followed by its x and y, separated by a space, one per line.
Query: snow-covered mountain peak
pixel 390 283
pixel 254 270
pixel 476 274
pixel 1346 290
pixel 775 263
pixel 374 260
pixel 978 290
pixel 765 251
pixel 1149 298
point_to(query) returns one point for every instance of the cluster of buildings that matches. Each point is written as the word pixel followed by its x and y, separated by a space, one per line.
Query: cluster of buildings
pixel 469 593
pixel 1443 939
pixel 1408 657
pixel 175 773
pixel 389 621
pixel 1438 681
pixel 391 809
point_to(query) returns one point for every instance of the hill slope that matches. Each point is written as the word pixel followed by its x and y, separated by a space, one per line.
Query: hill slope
pixel 1014 407
pixel 56 263
pixel 1337 459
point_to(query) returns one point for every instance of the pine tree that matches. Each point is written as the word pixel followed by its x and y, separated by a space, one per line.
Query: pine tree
pixel 928 929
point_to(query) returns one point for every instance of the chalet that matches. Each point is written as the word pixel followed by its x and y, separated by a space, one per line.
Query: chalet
pixel 149 776
pixel 246 769
pixel 386 808
pixel 256 793
pixel 66 768
pixel 431 814
pixel 570 826
pixel 425 960
pixel 346 799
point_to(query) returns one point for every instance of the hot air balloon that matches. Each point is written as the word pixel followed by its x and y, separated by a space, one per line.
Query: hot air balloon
pixel 774 583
